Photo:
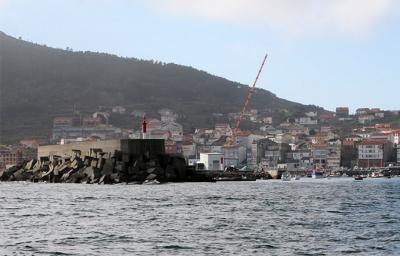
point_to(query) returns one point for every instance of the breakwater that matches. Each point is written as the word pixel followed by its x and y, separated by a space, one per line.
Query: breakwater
pixel 137 161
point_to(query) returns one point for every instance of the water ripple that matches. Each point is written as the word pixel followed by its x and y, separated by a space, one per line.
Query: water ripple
pixel 309 217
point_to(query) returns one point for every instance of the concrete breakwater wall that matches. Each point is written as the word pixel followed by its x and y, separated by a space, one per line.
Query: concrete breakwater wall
pixel 136 161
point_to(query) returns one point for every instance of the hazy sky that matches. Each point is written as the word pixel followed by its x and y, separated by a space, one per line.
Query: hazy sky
pixel 328 53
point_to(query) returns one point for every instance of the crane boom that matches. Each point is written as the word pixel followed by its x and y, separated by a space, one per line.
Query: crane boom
pixel 249 96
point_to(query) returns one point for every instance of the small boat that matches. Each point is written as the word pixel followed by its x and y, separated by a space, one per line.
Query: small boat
pixel 295 177
pixel 358 178
pixel 285 177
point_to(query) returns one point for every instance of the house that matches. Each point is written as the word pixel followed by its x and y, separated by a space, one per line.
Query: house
pixel 342 112
pixel 297 129
pixel 374 153
pixel 326 117
pixel 153 124
pixel 395 137
pixel 10 156
pixel 269 129
pixel 223 129
pixel 349 152
pixel 252 155
pixel 286 138
pixel 103 116
pixel 270 153
pixel 92 121
pixel 320 154
pixel 63 129
pixel 306 121
pixel 375 110
pixel 362 111
pixel 380 115
pixel 381 135
pixel 367 118
pixel 311 114
pixel 234 155
pixel 267 120
pixel 383 126
pixel 212 161
pixel 119 110
pixel 167 115
pixel 326 155
pixel 62 122
pixel 188 148
pixel 333 159
pixel 175 129
pixel 398 154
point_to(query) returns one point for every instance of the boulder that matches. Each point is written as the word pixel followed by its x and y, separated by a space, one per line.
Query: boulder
pixel 151 176
pixel 91 173
pixel 107 168
pixel 29 165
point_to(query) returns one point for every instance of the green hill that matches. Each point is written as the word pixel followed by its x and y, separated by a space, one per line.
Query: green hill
pixel 39 83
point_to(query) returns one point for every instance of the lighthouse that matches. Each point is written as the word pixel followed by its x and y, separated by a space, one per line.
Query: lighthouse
pixel 144 127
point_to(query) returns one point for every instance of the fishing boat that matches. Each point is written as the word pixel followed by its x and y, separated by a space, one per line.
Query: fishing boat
pixel 358 178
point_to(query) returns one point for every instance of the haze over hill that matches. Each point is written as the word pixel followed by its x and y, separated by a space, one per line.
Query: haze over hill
pixel 39 83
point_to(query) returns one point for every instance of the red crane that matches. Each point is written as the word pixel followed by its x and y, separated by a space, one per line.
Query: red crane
pixel 247 102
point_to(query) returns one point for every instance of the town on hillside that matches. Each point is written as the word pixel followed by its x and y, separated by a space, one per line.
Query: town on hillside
pixel 325 140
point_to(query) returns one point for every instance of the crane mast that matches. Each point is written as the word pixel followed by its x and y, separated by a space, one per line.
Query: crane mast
pixel 248 99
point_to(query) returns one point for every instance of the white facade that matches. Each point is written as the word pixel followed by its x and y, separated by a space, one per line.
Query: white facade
pixel 311 114
pixel 119 110
pixel 267 120
pixel 212 161
pixel 306 121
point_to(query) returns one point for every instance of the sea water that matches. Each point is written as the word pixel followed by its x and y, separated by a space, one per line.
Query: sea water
pixel 308 217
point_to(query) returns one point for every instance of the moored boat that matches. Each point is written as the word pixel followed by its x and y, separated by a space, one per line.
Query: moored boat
pixel 285 177
pixel 358 178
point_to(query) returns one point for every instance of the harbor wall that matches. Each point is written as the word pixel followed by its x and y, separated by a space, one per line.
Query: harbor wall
pixel 108 146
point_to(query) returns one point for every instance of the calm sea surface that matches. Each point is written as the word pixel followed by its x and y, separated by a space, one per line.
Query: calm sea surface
pixel 306 217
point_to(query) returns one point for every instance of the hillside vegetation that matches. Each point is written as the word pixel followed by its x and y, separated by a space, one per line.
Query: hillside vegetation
pixel 39 83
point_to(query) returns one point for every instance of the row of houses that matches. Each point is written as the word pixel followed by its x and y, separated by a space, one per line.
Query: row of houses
pixel 294 146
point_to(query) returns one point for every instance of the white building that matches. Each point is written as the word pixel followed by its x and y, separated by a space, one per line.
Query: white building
pixel 311 114
pixel 167 115
pixel 212 161
pixel 119 109
pixel 306 121
pixel 267 120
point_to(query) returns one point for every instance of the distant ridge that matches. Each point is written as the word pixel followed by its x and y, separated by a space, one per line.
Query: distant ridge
pixel 40 82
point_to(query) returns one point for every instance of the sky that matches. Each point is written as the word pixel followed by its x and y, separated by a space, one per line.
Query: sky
pixel 327 53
